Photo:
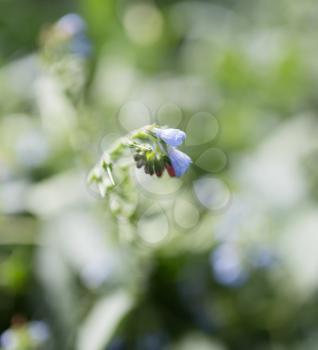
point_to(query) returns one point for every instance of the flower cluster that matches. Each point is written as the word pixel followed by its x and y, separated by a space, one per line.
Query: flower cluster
pixel 162 152
pixel 154 149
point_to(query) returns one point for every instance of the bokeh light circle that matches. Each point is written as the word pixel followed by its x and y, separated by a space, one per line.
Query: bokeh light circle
pixel 143 23
pixel 213 160
pixel 169 114
pixel 153 226
pixel 153 185
pixel 185 213
pixel 133 115
pixel 202 128
pixel 212 193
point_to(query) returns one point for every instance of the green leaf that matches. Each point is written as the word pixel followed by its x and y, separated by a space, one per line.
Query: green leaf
pixel 103 320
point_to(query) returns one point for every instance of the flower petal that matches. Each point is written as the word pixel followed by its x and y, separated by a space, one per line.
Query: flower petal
pixel 179 161
pixel 173 137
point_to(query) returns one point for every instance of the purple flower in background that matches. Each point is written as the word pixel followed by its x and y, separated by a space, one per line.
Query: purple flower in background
pixel 72 24
pixel 179 161
pixel 227 265
pixel 74 27
pixel 39 331
pixel 173 137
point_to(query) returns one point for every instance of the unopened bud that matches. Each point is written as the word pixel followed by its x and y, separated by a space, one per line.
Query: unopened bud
pixel 159 166
pixel 149 167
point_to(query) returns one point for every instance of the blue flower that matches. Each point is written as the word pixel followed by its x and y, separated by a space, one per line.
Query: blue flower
pixel 72 24
pixel 173 137
pixel 74 27
pixel 179 161
pixel 81 46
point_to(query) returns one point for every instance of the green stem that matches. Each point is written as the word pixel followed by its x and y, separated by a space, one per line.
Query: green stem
pixel 109 172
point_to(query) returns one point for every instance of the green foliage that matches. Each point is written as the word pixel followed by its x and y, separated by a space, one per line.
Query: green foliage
pixel 223 257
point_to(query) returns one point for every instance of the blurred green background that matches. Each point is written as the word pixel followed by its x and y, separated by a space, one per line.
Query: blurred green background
pixel 225 258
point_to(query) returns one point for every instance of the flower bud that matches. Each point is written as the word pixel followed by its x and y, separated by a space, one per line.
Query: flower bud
pixel 140 163
pixel 149 167
pixel 159 166
pixel 138 156
pixel 170 170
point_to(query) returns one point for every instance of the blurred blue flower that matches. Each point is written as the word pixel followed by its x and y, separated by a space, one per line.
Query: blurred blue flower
pixel 9 340
pixel 39 331
pixel 179 161
pixel 226 265
pixel 81 46
pixel 74 28
pixel 72 24
pixel 263 257
pixel 173 137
